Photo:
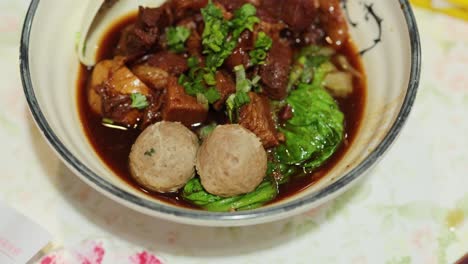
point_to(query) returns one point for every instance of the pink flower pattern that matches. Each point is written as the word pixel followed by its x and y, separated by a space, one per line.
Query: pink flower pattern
pixel 145 258
pixel 95 252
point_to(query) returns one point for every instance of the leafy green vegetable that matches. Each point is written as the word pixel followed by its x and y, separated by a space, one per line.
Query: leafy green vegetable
pixel 305 68
pixel 317 129
pixel 262 46
pixel 206 131
pixel 194 192
pixel 281 172
pixel 139 101
pixel 176 38
pixel 315 132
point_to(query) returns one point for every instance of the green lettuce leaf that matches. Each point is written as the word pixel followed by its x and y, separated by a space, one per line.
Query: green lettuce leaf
pixel 194 192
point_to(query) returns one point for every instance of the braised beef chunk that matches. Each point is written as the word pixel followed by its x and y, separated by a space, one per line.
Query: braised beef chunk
pixel 299 14
pixel 194 42
pixel 169 62
pixel 275 74
pixel 117 107
pixel 181 107
pixel 232 5
pixel 315 21
pixel 257 117
pixel 152 114
pixel 225 86
pixel 240 55
pixel 313 35
pixel 137 39
pixel 184 8
pixel 334 22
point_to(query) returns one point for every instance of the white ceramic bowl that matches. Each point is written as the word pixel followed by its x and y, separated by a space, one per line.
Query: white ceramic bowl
pixel 49 68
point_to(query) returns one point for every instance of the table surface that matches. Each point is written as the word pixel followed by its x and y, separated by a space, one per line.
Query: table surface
pixel 413 208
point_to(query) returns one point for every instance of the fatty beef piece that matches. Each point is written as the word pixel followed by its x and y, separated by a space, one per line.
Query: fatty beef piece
pixel 306 18
pixel 275 72
pixel 240 55
pixel 194 42
pixel 137 39
pixel 334 22
pixel 157 68
pixel 181 107
pixel 257 117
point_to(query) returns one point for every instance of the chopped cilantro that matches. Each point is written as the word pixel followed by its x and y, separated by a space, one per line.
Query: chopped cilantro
pixel 176 38
pixel 262 46
pixel 139 101
pixel 150 152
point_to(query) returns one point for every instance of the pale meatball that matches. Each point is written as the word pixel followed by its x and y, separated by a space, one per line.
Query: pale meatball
pixel 231 161
pixel 163 157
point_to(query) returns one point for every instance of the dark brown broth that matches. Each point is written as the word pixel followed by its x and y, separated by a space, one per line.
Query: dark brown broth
pixel 113 145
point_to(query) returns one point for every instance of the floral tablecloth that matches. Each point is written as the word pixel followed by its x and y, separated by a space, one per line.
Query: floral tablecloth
pixel 412 209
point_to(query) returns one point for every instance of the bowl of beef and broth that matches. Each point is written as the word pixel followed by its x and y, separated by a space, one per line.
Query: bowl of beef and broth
pixel 223 112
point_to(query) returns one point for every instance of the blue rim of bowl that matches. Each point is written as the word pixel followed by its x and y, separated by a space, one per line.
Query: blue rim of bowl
pixel 124 196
